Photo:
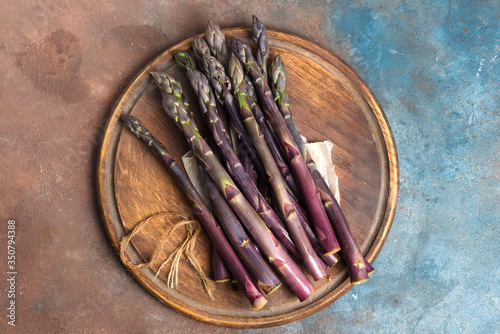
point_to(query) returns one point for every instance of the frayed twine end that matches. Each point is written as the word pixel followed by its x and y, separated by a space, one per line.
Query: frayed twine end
pixel 186 247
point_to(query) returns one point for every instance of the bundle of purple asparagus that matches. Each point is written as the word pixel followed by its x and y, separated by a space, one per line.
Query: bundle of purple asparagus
pixel 272 208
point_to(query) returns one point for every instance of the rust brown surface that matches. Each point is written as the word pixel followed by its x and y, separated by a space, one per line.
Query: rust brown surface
pixel 63 64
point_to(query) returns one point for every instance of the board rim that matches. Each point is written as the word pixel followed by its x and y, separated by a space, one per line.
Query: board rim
pixel 105 188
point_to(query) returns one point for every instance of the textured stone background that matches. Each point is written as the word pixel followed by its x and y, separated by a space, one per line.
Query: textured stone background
pixel 433 66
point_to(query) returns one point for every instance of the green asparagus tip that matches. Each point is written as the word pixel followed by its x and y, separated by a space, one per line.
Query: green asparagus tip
pixel 184 60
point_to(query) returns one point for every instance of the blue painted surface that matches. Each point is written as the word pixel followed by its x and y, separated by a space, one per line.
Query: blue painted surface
pixel 433 66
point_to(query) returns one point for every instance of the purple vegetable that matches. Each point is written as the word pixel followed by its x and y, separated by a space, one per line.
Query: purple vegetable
pixel 206 218
pixel 311 195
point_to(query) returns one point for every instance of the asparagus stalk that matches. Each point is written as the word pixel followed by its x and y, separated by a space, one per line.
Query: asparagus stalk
pixel 264 187
pixel 249 255
pixel 216 75
pixel 249 166
pixel 259 37
pixel 264 238
pixel 220 270
pixel 274 147
pixel 350 249
pixel 233 164
pixel 185 61
pixel 315 266
pixel 330 259
pixel 219 80
pixel 207 103
pixel 222 86
pixel 271 140
pixel 206 218
pixel 311 195
pixel 216 41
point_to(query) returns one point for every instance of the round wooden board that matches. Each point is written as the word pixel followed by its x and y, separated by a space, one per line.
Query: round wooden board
pixel 329 101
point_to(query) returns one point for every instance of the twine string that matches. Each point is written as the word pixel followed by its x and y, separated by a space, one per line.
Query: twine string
pixel 186 247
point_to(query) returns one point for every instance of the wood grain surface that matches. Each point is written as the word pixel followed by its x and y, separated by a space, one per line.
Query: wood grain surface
pixel 329 102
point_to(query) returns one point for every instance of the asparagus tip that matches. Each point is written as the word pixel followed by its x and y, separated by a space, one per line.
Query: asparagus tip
pixel 183 59
pixel 200 47
pixel 156 76
pixel 132 123
pixel 213 27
